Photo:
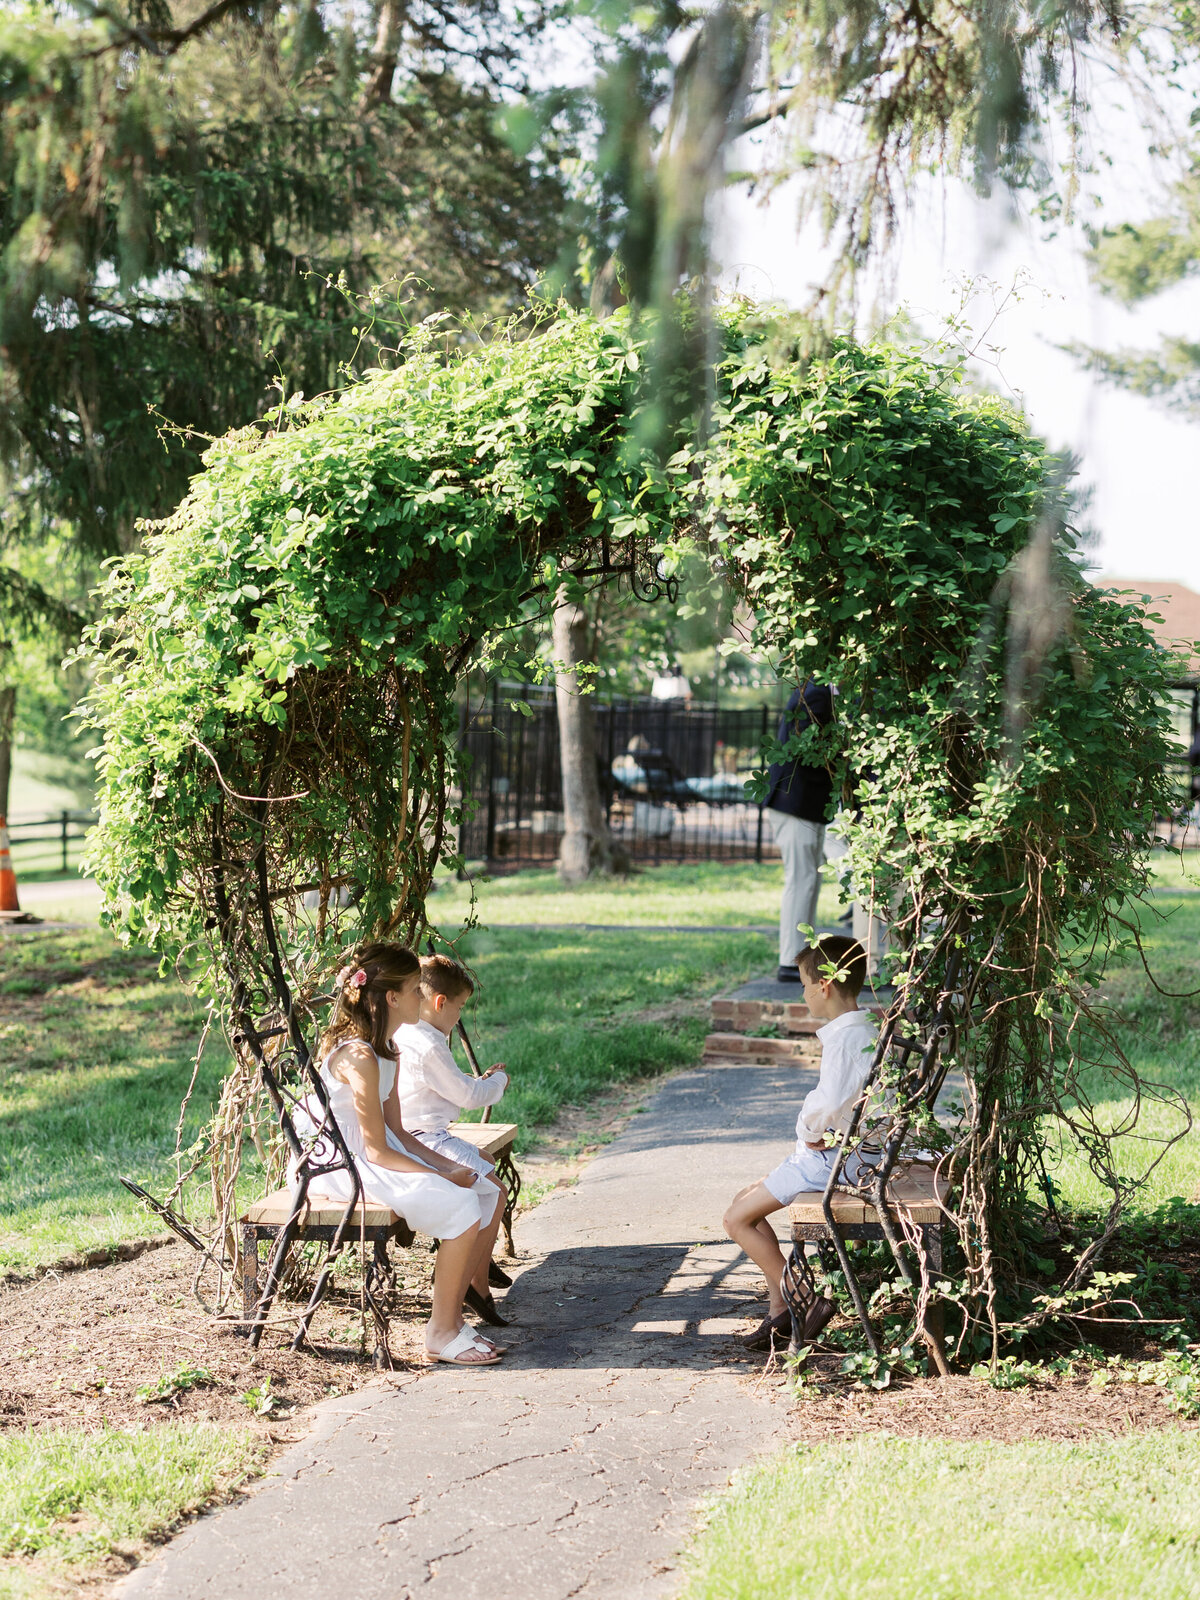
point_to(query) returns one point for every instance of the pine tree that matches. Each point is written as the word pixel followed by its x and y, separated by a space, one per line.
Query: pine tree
pixel 192 208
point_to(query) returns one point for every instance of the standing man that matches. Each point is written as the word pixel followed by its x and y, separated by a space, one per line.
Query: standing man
pixel 798 804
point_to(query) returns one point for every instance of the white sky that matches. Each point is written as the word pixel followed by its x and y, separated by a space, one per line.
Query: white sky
pixel 1140 459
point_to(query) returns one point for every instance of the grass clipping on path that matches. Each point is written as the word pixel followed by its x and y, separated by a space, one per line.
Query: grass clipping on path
pixel 70 1497
pixel 932 1520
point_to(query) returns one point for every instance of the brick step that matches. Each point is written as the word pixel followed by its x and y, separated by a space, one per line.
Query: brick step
pixel 791 1017
pixel 742 1047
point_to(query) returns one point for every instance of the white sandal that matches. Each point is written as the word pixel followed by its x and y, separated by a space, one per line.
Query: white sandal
pixel 464 1341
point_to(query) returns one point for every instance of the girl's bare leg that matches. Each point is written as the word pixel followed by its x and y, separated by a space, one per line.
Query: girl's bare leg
pixel 455 1259
pixel 487 1241
pixel 746 1224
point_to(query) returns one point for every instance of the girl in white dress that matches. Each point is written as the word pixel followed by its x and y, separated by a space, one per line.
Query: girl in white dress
pixel 377 992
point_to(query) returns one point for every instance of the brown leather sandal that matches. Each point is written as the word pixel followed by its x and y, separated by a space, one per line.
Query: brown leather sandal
pixel 768 1330
pixel 819 1314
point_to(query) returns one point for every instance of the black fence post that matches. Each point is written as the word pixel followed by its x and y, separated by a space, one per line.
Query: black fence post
pixel 464 774
pixel 65 818
pixel 758 855
pixel 611 712
pixel 523 729
pixel 490 846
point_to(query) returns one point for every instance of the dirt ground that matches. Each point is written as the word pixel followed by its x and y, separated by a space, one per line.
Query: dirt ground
pixel 79 1347
pixel 968 1409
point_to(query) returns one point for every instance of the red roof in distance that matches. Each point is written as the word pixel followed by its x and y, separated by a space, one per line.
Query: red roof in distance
pixel 1175 603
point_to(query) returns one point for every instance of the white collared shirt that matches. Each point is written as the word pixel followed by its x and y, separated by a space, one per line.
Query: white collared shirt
pixel 429 1084
pixel 847 1051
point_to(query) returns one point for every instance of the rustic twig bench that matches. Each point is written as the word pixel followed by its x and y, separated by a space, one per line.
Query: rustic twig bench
pixel 323 1219
pixel 915 1195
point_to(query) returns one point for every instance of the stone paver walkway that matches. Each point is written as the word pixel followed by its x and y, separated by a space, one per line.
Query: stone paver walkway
pixel 574 1467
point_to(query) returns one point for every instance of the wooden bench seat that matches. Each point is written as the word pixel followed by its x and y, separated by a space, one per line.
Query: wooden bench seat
pixel 911 1191
pixel 371 1224
pixel 319 1212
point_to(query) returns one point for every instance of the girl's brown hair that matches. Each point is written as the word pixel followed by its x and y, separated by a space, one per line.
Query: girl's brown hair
pixel 360 1008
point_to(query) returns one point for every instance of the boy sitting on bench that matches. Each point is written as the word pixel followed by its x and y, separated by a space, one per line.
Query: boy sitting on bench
pixel 833 970
pixel 430 1090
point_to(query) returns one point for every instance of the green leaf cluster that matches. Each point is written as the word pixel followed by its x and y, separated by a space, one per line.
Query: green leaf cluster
pixel 282 653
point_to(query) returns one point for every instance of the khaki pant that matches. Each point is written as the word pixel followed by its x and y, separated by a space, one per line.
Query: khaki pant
pixel 872 934
pixel 802 846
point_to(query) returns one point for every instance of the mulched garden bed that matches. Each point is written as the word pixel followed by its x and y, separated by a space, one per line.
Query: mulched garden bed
pixel 79 1347
pixel 969 1409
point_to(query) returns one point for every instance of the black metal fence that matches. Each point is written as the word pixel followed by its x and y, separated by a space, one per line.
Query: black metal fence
pixel 672 776
pixel 49 842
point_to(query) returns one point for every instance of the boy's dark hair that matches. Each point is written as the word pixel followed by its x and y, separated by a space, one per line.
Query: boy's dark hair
pixel 441 975
pixel 845 955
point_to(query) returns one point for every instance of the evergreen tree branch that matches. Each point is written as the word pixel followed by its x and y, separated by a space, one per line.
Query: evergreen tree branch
pixel 27 607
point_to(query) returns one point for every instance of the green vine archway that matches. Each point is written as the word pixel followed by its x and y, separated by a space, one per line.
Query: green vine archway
pixel 275 682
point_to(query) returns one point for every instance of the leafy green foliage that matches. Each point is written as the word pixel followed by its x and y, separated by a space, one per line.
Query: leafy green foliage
pixel 1008 1373
pixel 259 1399
pixel 164 1389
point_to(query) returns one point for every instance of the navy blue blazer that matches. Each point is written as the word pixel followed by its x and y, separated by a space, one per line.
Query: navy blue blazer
pixel 795 789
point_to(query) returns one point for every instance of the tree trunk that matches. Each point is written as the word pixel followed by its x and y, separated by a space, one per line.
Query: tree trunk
pixel 8 709
pixel 385 56
pixel 587 846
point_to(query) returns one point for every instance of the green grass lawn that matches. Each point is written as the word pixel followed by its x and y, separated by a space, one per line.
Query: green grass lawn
pixel 95 1056
pixel 573 1013
pixel 701 894
pixel 1161 1038
pixel 886 1519
pixel 68 1498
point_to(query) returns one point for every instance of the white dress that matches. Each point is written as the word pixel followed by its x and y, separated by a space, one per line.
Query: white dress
pixel 429 1203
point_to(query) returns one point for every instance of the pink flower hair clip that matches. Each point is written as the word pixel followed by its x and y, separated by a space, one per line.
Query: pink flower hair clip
pixel 351 980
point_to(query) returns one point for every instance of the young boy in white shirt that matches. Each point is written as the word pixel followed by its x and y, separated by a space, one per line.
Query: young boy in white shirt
pixel 431 1090
pixel 833 971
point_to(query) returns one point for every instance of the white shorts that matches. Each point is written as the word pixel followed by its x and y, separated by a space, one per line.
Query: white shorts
pixel 464 1152
pixel 807 1171
pixel 454 1149
pixel 428 1202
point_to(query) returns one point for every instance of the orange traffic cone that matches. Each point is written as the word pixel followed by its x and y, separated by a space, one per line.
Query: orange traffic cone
pixel 10 906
